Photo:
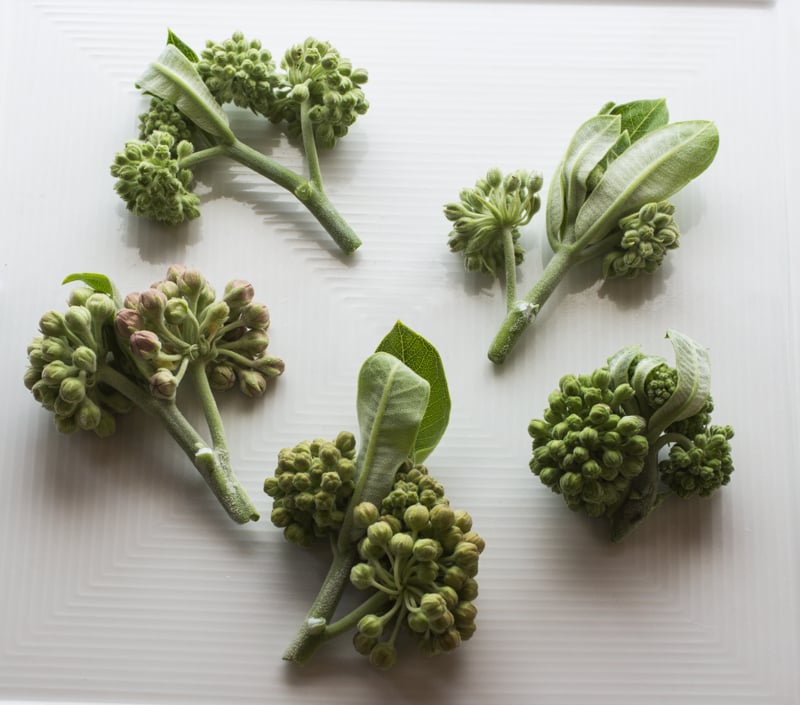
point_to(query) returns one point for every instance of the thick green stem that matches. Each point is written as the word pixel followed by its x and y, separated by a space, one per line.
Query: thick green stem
pixel 314 630
pixel 522 311
pixel 212 466
pixel 310 145
pixel 307 192
pixel 510 262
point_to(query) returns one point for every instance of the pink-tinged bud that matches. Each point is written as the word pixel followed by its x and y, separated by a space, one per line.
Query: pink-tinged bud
pixel 152 303
pixel 238 293
pixel 132 300
pixel 256 316
pixel 168 288
pixel 127 322
pixel 191 282
pixel 269 366
pixel 221 377
pixel 145 344
pixel 174 272
pixel 163 385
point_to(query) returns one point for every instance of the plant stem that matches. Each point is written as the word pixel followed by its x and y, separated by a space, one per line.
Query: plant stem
pixel 522 311
pixel 310 145
pixel 314 630
pixel 510 262
pixel 307 192
pixel 212 466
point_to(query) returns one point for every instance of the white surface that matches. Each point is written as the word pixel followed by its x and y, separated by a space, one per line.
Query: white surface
pixel 120 578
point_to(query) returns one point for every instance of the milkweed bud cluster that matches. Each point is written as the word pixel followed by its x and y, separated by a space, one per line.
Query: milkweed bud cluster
pixel 239 71
pixel 495 206
pixel 163 116
pixel 426 557
pixel 63 365
pixel 178 320
pixel 311 488
pixel 151 181
pixel 645 237
pixel 317 76
pixel 586 447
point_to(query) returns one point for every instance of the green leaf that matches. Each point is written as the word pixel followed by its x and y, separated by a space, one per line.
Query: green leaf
pixel 642 116
pixel 98 282
pixel 650 170
pixel 693 388
pixel 391 404
pixel 589 145
pixel 174 40
pixel 556 207
pixel 422 357
pixel 594 178
pixel 174 78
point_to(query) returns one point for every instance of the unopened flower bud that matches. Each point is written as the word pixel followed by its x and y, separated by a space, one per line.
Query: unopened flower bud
pixel 52 323
pixel 269 366
pixel 221 376
pixel 238 293
pixel 127 322
pixel 252 384
pixel 380 533
pixel 383 656
pixel 88 415
pixel 145 345
pixel 85 359
pixel 371 626
pixel 364 514
pixel 72 390
pixel 427 549
pixel 152 303
pixel 416 517
pixel 176 311
pixel 163 384
pixel 362 575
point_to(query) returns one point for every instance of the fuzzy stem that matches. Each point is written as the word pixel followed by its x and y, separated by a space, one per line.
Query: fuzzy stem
pixel 310 145
pixel 371 605
pixel 307 192
pixel 510 262
pixel 215 472
pixel 523 311
pixel 313 631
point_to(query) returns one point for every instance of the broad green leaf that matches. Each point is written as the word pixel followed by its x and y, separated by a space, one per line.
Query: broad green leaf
pixel 174 78
pixel 650 170
pixel 694 384
pixel 174 40
pixel 391 404
pixel 420 356
pixel 642 116
pixel 99 282
pixel 589 145
pixel 622 143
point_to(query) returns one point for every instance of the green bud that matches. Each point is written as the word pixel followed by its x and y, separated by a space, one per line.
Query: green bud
pixel 427 549
pixel 66 424
pixel 383 656
pixel 466 557
pixel 72 390
pixel 107 425
pixel 88 415
pixel 469 591
pixel 380 533
pixel 363 644
pixel 442 517
pixel 55 372
pixel 362 575
pixel 52 323
pixel 365 514
pixel 417 622
pixel 251 383
pixel 371 626
pixel 101 307
pixel 163 384
pixel 401 545
pixel 416 517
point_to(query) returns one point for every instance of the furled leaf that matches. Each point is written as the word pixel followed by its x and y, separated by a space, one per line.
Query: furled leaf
pixel 184 48
pixel 391 404
pixel 589 145
pixel 423 358
pixel 693 388
pixel 556 207
pixel 174 78
pixel 650 170
pixel 622 143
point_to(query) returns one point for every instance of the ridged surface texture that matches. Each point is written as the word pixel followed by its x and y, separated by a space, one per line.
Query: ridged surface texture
pixel 121 581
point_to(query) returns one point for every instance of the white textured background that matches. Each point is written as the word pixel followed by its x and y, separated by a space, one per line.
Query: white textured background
pixel 120 578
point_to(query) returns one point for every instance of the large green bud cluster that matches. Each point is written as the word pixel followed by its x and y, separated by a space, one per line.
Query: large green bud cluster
pixel 178 321
pixel 64 362
pixel 311 488
pixel 319 78
pixel 495 208
pixel 426 561
pixel 151 181
pixel 701 466
pixel 587 448
pixel 239 71
pixel 412 485
pixel 163 116
pixel 644 238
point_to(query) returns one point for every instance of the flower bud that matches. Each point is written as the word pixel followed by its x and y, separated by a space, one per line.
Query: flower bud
pixel 442 517
pixel 401 545
pixel 190 282
pixel 163 384
pixel 66 424
pixel 383 656
pixel 88 415
pixel 365 514
pixel 79 322
pixel 55 372
pixel 78 297
pixel 107 425
pixel 213 318
pixel 176 311
pixel 152 303
pixel 427 550
pixel 72 390
pixel 252 384
pixel 238 293
pixel 416 517
pixel 269 366
pixel 85 359
pixel 371 626
pixel 362 575
pixel 363 644
pixel 417 622
pixel 127 322
pixel 380 533
pixel 145 345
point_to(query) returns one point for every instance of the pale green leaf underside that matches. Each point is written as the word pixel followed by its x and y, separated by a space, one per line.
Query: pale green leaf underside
pixel 422 357
pixel 556 207
pixel 174 78
pixel 694 383
pixel 391 403
pixel 650 170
